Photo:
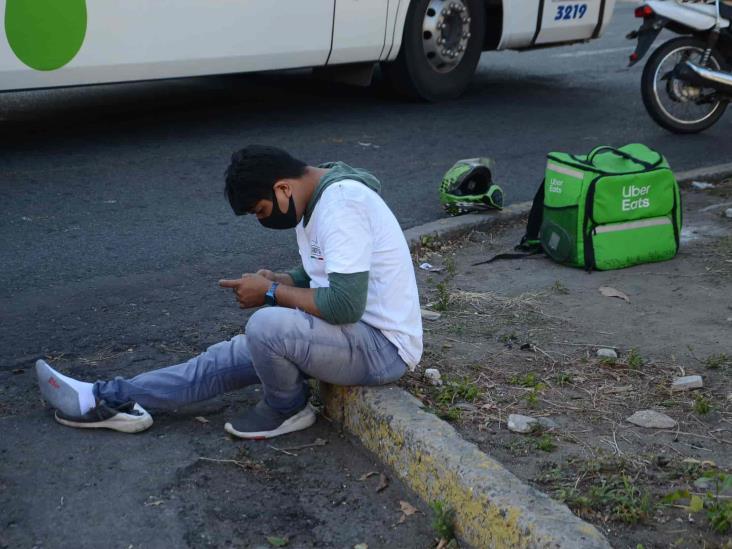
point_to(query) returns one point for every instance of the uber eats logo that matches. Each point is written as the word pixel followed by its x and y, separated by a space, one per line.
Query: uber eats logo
pixel 555 185
pixel 635 197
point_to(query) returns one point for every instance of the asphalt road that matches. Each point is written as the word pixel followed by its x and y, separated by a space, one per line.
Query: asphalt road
pixel 100 185
pixel 114 228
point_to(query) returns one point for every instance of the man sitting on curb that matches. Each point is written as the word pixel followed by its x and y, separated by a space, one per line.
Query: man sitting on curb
pixel 349 315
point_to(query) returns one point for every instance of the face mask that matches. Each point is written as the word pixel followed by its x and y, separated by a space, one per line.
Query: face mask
pixel 279 220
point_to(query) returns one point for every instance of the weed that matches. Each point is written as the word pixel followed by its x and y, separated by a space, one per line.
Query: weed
pixel 545 444
pixel 616 497
pixel 518 447
pixel 563 379
pixel 634 359
pixel 702 405
pixel 686 470
pixel 532 399
pixel 443 520
pixel 529 380
pixel 718 509
pixel 714 362
pixel 450 266
pixel 551 473
pixel 453 390
pixel 449 413
pixel 458 329
pixel 443 297
pixel 430 242
pixel 608 362
pixel 560 288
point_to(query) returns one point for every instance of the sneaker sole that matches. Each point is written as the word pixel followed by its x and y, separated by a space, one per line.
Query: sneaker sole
pixel 124 423
pixel 302 420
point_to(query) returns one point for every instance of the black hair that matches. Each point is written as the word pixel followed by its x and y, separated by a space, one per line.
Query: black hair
pixel 253 172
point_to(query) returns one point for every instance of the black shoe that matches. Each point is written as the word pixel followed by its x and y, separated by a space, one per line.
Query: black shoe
pixel 261 421
pixel 128 418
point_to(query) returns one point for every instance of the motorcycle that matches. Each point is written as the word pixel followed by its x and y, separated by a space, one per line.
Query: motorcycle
pixel 687 82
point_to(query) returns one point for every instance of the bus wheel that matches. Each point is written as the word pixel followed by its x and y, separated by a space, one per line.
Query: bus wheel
pixel 440 49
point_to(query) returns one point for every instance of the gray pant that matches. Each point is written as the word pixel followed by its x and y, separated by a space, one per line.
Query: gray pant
pixel 281 349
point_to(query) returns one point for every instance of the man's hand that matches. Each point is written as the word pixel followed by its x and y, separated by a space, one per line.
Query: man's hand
pixel 249 289
pixel 266 273
pixel 282 278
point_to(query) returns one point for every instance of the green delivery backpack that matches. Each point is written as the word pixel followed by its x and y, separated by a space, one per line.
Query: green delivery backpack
pixel 609 209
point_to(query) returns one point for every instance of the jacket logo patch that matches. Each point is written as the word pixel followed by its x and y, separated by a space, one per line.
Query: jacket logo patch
pixel 316 252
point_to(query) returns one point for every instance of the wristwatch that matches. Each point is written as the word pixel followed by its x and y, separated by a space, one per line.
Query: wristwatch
pixel 270 297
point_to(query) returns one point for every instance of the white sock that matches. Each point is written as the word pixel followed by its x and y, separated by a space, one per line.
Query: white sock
pixel 84 390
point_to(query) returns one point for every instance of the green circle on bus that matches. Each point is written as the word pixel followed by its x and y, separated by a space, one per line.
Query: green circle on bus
pixel 45 34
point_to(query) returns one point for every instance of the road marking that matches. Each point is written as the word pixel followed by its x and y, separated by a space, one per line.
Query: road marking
pixel 592 52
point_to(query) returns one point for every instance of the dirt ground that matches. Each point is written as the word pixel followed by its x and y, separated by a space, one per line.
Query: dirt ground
pixel 521 336
pixel 185 482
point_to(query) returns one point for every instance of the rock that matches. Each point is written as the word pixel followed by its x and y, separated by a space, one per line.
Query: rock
pixel 686 383
pixel 704 483
pixel 701 185
pixel 547 423
pixel 525 424
pixel 433 375
pixel 607 353
pixel 521 424
pixel 728 213
pixel 651 419
pixel 430 315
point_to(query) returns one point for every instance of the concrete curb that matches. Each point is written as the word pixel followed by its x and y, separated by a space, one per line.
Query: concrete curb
pixel 719 171
pixel 493 508
pixel 453 227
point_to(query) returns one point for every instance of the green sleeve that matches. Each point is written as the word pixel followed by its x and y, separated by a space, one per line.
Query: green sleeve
pixel 299 277
pixel 344 301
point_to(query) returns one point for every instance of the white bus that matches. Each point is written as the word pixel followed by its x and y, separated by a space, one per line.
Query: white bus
pixel 428 48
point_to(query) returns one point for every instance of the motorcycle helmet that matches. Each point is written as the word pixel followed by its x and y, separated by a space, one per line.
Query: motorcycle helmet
pixel 468 187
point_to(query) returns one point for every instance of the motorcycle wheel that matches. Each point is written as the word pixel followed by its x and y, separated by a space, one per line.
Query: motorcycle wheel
pixel 672 103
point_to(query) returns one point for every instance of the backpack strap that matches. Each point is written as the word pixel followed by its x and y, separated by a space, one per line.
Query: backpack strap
pixel 529 244
pixel 530 240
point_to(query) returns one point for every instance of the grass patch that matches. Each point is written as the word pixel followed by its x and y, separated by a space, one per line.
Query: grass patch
pixel 452 391
pixel 457 389
pixel 563 379
pixel 717 507
pixel 715 362
pixel 450 266
pixel 545 443
pixel 702 405
pixel 532 399
pixel 443 297
pixel 615 497
pixel 430 242
pixel 530 381
pixel 559 288
pixel 634 360
pixel 443 520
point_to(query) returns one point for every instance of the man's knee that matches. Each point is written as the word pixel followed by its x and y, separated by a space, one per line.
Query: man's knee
pixel 274 324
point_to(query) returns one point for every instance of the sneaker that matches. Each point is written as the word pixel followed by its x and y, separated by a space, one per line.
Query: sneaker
pixel 128 418
pixel 261 421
